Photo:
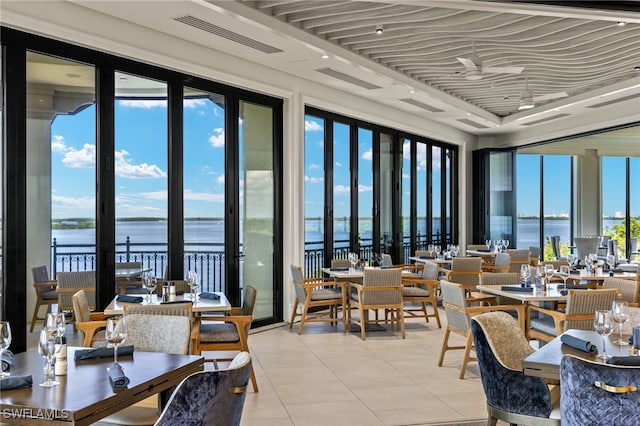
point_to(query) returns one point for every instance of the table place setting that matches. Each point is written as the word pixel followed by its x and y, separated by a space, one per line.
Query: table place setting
pixel 7 359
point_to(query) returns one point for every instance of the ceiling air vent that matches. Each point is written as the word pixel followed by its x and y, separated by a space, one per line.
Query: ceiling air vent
pixel 224 33
pixel 614 101
pixel 421 105
pixel 543 120
pixel 473 123
pixel 346 77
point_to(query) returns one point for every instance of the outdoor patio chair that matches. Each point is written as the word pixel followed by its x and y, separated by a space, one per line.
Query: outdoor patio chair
pixel 422 291
pixel 519 257
pixel 501 263
pixel 627 289
pixel 71 282
pixel 586 246
pixel 46 293
pixel 90 324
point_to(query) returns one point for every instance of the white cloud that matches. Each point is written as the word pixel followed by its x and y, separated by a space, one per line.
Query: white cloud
pixel 83 158
pixel 58 144
pixel 194 103
pixel 135 171
pixel 313 166
pixel 190 195
pixel 61 202
pixel 368 155
pixel 406 176
pixel 341 190
pixel 364 188
pixel 217 139
pixel 338 164
pixel 313 179
pixel 146 104
pixel 312 126
pixel 220 179
pixel 154 195
pixel 422 155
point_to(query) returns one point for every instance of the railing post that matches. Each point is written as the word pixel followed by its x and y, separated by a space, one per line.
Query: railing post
pixel 54 253
pixel 128 247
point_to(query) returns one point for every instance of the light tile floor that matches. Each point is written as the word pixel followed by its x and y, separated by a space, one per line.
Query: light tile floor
pixel 326 377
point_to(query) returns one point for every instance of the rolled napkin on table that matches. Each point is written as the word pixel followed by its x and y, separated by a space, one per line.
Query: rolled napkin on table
pixel 15 382
pixel 427 257
pixel 578 343
pixel 340 268
pixel 172 302
pixel 125 298
pixel 117 377
pixel 211 296
pixel 97 353
pixel 516 287
pixel 7 359
pixel 633 361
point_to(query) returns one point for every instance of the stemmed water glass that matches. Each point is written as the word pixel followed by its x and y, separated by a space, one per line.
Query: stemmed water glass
pixel 488 243
pixel 193 281
pixel 47 348
pixel 525 273
pixel 5 341
pixel 353 258
pixel 564 274
pixel 603 326
pixel 571 258
pixel 150 282
pixel 549 271
pixel 611 261
pixel 55 324
pixel 620 314
pixel 541 274
pixel 115 334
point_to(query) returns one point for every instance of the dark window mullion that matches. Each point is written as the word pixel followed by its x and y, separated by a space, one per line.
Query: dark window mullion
pixel 353 193
pixel 176 181
pixel 328 191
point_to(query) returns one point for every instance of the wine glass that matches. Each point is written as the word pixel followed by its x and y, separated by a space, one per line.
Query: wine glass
pixel 5 341
pixel 620 314
pixel 47 348
pixel 549 271
pixel 488 243
pixel 506 244
pixel 193 280
pixel 115 334
pixel 541 274
pixel 56 324
pixel 149 282
pixel 564 274
pixel 525 273
pixel 571 258
pixel 353 258
pixel 611 261
pixel 603 326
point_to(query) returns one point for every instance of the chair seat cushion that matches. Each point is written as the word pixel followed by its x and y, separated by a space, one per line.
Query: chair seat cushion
pixel 218 333
pixel 50 295
pixel 415 292
pixel 544 324
pixel 326 294
pixel 99 340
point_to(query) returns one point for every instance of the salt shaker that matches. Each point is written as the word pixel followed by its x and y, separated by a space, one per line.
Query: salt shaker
pixel 61 358
pixel 172 291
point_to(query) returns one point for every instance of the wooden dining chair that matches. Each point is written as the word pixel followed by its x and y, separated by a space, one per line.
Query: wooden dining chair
pixel 229 332
pixel 172 309
pixel 501 263
pixel 71 282
pixel 130 285
pixel 627 289
pixel 90 324
pixel 381 289
pixel 46 293
pixel 423 291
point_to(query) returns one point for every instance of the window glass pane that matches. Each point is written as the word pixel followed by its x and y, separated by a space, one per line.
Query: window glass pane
pixel 341 190
pixel 204 184
pixel 405 194
pixel 61 164
pixel 447 207
pixel 528 200
pixel 500 197
pixel 141 172
pixel 257 204
pixel 313 194
pixel 436 192
pixel 634 205
pixel 365 191
pixel 422 237
pixel 386 192
pixel 557 203
pixel 614 189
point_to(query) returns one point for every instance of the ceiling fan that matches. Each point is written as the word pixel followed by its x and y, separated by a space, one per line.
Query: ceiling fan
pixel 475 70
pixel 528 101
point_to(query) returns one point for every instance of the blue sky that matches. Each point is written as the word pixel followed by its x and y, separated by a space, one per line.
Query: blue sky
pixel 140 160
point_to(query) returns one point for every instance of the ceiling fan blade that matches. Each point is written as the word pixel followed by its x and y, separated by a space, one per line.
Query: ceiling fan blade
pixel 550 96
pixel 502 70
pixel 468 63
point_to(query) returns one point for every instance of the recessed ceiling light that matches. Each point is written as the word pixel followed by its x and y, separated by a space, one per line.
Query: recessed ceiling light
pixel 621 23
pixel 73 75
pixel 412 91
pixel 379 29
pixel 325 56
pixel 636 68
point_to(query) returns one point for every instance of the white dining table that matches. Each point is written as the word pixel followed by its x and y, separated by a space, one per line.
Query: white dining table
pixel 200 305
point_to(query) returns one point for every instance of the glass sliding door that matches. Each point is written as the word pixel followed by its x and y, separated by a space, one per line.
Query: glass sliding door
pixel 341 189
pixel 256 208
pixel 557 200
pixel 204 176
pixel 365 192
pixel 528 201
pixel 421 174
pixel 141 172
pixel 314 190
pixel 61 164
pixel 405 196
pixel 614 208
pixel 501 208
pixel 634 209
pixel 386 219
pixel 435 213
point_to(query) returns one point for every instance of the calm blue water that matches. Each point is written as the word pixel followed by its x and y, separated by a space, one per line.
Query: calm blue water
pixel 210 233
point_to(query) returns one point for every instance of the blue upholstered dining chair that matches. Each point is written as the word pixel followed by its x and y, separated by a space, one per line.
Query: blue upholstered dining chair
pixel 593 393
pixel 209 398
pixel 512 397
